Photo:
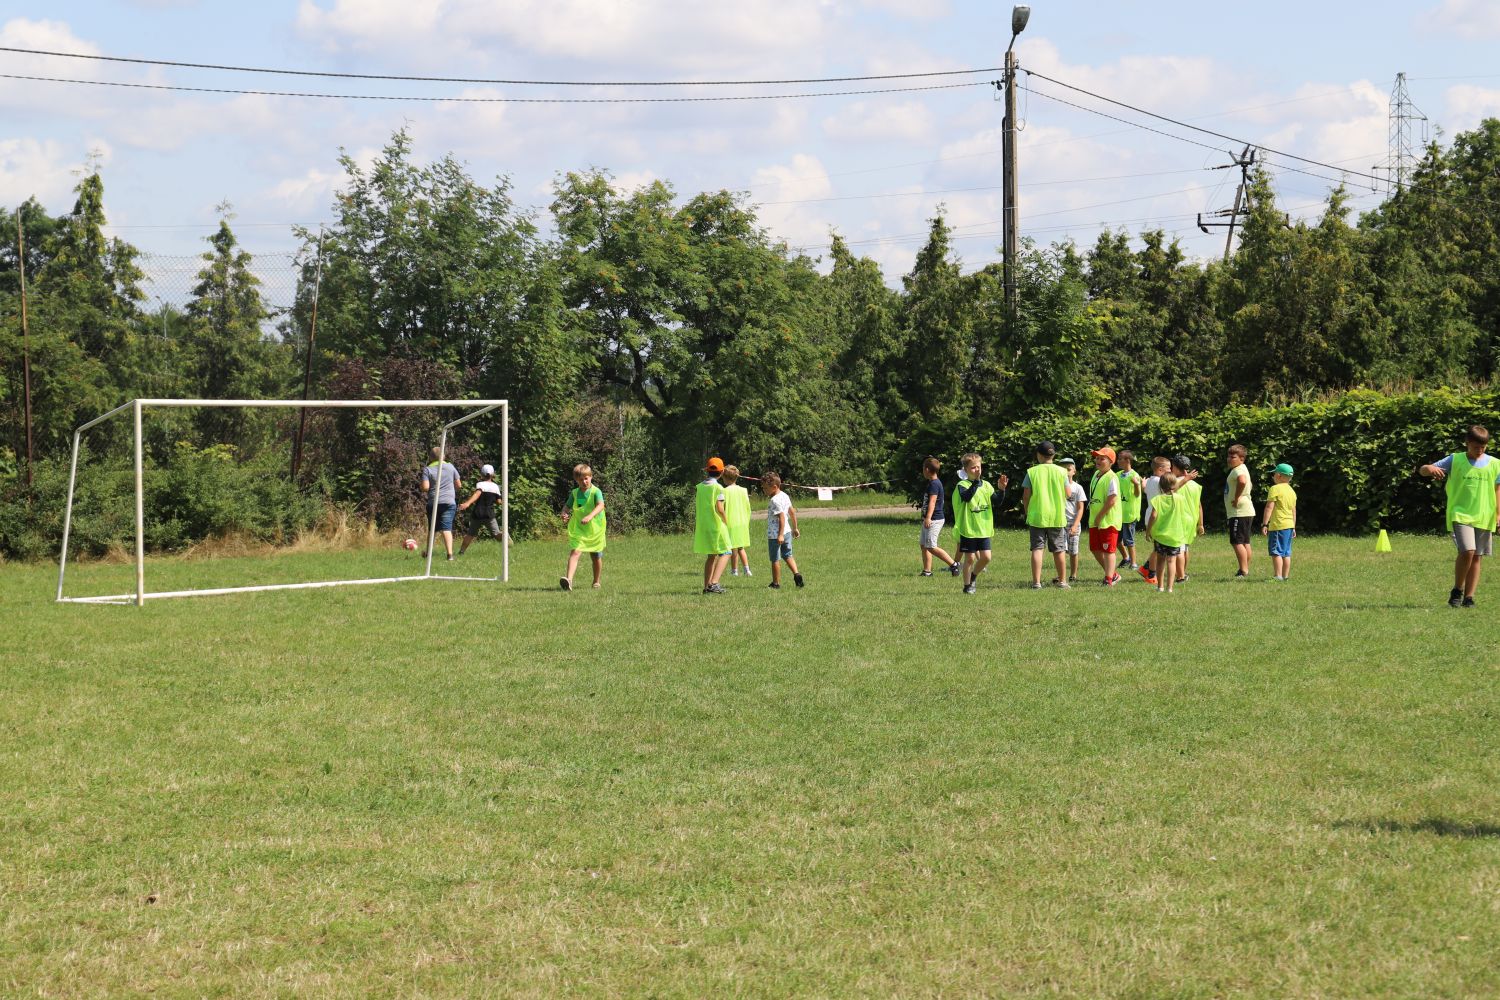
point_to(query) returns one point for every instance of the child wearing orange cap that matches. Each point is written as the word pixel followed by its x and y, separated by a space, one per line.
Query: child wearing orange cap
pixel 711 526
pixel 1106 516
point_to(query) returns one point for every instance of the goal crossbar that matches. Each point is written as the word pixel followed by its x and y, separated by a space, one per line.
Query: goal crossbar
pixel 479 406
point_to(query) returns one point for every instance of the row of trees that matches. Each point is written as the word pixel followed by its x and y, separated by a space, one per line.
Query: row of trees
pixel 649 329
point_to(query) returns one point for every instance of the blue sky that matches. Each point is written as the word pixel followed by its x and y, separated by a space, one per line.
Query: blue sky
pixel 1306 78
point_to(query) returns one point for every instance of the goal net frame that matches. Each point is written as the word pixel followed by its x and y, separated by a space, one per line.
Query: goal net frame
pixel 137 406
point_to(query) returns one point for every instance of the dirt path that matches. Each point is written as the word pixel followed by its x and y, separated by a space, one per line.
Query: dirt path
pixel 803 512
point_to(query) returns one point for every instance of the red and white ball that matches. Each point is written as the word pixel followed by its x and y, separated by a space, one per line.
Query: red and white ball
pixel 410 544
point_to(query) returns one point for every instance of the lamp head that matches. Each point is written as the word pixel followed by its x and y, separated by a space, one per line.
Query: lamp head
pixel 1018 18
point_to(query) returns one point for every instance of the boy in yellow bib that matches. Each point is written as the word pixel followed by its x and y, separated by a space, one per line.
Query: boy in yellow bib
pixel 737 513
pixel 973 505
pixel 1473 485
pixel 584 517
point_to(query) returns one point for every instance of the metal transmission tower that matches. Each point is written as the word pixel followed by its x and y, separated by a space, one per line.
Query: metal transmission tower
pixel 1404 116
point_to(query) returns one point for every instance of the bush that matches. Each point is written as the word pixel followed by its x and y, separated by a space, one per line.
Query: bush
pixel 197 494
pixel 1354 456
pixel 643 491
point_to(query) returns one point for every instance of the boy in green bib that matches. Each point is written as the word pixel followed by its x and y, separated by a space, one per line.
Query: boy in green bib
pixel 1171 526
pixel 711 526
pixel 1105 516
pixel 737 513
pixel 1472 481
pixel 584 517
pixel 1044 499
pixel 973 504
pixel 1131 485
pixel 1192 494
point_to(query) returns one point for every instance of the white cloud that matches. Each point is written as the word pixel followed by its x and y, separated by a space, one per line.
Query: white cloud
pixel 43 169
pixel 908 121
pixel 35 96
pixel 53 36
pixel 926 10
pixel 803 177
pixel 307 191
pixel 634 180
pixel 679 34
pixel 1182 83
pixel 1468 105
pixel 1469 18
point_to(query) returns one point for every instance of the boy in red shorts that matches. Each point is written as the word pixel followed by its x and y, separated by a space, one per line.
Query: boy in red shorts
pixel 1105 514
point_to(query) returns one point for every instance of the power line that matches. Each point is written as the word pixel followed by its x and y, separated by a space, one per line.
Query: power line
pixel 517 83
pixel 1198 128
pixel 1194 142
pixel 491 100
pixel 971 190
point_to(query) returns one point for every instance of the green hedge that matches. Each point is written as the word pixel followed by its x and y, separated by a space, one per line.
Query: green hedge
pixel 1354 456
pixel 200 494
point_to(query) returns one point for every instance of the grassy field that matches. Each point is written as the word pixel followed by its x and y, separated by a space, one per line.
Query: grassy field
pixel 874 786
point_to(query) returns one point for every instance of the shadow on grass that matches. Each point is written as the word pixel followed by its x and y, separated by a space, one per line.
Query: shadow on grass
pixel 887 519
pixel 1437 825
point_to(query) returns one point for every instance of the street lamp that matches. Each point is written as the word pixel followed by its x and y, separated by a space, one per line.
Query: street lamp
pixel 1018 18
pixel 1012 249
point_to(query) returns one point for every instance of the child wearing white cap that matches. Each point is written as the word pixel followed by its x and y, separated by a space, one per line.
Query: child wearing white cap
pixel 483 500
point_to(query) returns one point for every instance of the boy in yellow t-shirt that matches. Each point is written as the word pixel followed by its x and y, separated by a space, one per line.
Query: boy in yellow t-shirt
pixel 1278 521
pixel 737 513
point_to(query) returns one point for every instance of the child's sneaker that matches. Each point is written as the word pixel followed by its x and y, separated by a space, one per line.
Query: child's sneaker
pixel 1111 581
pixel 777 586
pixel 735 571
pixel 1063 585
pixel 597 586
pixel 714 588
pixel 565 583
pixel 954 568
pixel 925 572
pixel 1455 598
pixel 971 588
pixel 1468 602
pixel 1036 586
pixel 1146 573
pixel 797 579
pixel 1240 573
pixel 747 571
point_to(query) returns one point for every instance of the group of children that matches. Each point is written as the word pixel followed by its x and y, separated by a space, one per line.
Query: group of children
pixel 721 526
pixel 1167 507
pixel 721 532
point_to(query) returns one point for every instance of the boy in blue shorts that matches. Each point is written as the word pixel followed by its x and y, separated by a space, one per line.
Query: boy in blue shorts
pixel 781 528
pixel 1278 521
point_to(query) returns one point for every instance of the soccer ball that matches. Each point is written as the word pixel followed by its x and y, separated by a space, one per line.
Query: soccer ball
pixel 410 544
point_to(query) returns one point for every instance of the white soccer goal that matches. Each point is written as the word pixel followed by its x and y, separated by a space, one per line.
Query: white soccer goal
pixel 479 407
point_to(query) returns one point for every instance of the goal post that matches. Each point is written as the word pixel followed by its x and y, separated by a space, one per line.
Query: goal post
pixel 479 408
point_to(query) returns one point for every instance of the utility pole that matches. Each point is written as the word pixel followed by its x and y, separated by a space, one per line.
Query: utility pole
pixel 1011 251
pixel 1244 161
pixel 25 339
pixel 312 337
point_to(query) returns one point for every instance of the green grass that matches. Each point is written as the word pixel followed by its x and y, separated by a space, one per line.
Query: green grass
pixel 874 786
